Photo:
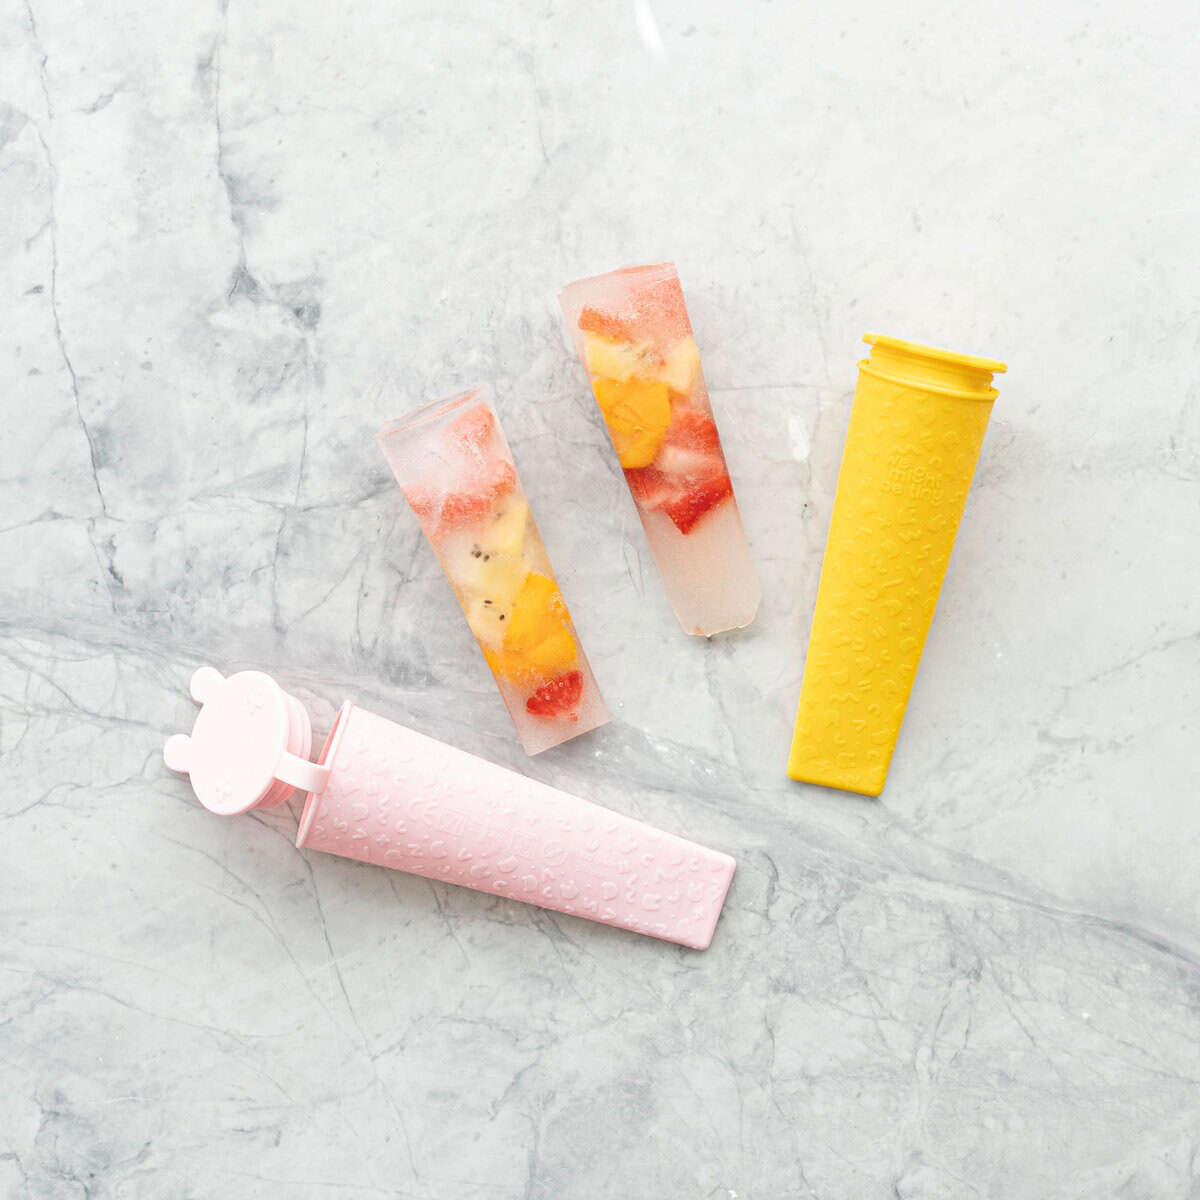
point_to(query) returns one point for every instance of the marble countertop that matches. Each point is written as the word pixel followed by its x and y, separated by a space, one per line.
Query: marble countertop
pixel 236 238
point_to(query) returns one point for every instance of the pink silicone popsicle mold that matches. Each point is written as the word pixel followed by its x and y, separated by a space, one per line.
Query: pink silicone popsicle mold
pixel 385 794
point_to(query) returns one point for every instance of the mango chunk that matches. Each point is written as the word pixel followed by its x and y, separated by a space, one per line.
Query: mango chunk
pixel 537 612
pixel 507 664
pixel 554 655
pixel 637 413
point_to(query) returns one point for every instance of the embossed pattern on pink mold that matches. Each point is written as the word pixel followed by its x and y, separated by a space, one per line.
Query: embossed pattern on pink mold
pixel 399 799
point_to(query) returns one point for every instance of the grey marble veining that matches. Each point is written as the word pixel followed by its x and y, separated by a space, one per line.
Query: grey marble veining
pixel 236 238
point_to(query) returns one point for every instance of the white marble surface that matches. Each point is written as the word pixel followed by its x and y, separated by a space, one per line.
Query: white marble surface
pixel 236 237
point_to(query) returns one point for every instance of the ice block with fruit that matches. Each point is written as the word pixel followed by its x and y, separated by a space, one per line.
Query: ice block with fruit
pixel 632 332
pixel 454 465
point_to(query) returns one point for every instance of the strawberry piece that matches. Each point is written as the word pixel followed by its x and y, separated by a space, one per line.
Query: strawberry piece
pixel 504 478
pixel 473 430
pixel 662 308
pixel 687 509
pixel 652 307
pixel 592 320
pixel 558 698
pixel 650 486
pixel 421 501
pixel 461 508
pixel 692 429
pixel 689 477
pixel 685 499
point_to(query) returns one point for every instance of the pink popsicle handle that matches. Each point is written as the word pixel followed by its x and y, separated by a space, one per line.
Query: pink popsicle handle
pixel 399 799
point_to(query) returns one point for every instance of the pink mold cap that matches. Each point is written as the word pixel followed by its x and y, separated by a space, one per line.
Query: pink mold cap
pixel 249 747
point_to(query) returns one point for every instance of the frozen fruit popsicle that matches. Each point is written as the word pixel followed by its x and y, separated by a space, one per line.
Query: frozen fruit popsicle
pixel 454 466
pixel 632 332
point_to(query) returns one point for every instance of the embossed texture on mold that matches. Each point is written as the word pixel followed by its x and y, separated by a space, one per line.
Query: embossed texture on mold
pixel 399 799
pixel 906 471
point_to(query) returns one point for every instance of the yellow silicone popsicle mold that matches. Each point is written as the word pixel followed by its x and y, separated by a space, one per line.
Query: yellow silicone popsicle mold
pixel 916 428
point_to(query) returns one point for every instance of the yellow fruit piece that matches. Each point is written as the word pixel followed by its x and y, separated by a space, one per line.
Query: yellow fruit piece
pixel 619 360
pixel 500 579
pixel 679 369
pixel 554 655
pixel 537 612
pixel 497 661
pixel 496 579
pixel 486 622
pixel 506 534
pixel 637 414
pixel 506 664
pixel 548 658
pixel 492 584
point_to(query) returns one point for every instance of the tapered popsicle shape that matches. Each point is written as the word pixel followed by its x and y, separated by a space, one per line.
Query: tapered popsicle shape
pixel 455 467
pixel 383 793
pixel 915 432
pixel 631 330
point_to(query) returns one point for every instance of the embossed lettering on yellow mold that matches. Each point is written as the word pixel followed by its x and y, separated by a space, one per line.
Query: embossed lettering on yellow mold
pixel 916 428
